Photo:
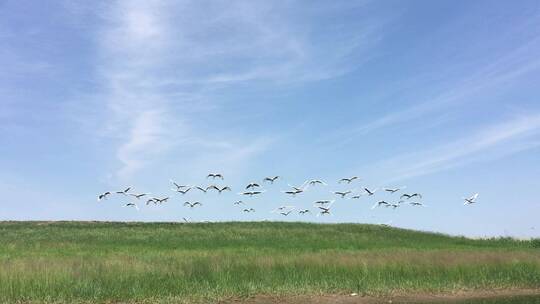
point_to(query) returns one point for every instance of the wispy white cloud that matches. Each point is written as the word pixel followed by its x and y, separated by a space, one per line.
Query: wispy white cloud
pixel 159 60
pixel 506 69
pixel 145 136
pixel 131 43
pixel 487 143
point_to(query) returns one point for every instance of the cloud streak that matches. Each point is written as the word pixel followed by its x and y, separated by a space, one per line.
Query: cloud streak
pixel 159 61
pixel 507 68
pixel 490 142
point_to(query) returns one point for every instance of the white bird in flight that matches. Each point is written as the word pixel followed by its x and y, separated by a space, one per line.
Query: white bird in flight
pixel 342 193
pixel 178 186
pixel 394 190
pixel 183 191
pixel 281 208
pixel 348 180
pixel 370 192
pixel 201 188
pixel 158 200
pixel 271 179
pixel 251 193
pixel 252 185
pixel 293 192
pixel 323 202
pixel 151 200
pixel 301 188
pixel 409 196
pixel 314 182
pixel 124 192
pixel 103 196
pixel 215 175
pixel 191 205
pixel 380 203
pixel 218 189
pixel 132 205
pixel 471 200
pixel 325 210
pixel 138 196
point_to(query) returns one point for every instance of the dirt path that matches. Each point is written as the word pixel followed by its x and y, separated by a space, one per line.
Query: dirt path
pixel 409 298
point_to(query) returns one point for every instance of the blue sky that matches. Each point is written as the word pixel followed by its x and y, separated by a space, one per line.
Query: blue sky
pixel 440 96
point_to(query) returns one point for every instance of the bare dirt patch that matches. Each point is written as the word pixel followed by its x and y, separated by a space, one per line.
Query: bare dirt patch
pixel 396 299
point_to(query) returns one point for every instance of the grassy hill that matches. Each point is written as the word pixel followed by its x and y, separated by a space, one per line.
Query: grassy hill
pixel 68 262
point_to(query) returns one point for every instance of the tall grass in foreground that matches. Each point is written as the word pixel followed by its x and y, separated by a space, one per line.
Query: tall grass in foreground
pixel 104 262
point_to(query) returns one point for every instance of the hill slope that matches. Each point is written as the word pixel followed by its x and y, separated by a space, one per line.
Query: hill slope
pixel 137 262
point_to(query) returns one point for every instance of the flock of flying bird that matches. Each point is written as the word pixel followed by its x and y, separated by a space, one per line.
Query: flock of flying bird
pixel 322 207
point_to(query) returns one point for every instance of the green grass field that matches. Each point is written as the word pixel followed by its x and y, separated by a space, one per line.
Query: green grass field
pixel 74 262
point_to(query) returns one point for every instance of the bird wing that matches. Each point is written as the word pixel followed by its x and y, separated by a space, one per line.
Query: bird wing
pixel 304 185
